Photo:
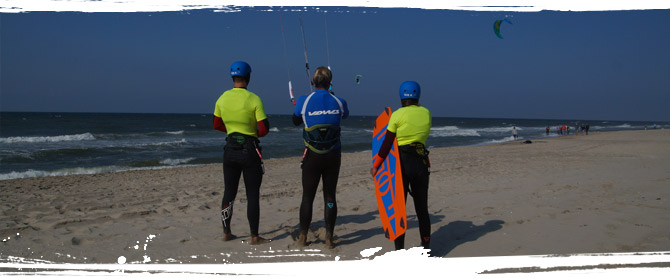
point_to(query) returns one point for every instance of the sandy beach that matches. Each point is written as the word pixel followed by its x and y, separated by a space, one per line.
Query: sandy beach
pixel 605 192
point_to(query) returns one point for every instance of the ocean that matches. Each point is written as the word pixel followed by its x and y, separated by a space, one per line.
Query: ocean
pixel 56 144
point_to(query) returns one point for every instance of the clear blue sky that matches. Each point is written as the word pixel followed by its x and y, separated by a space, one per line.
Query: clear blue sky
pixel 612 65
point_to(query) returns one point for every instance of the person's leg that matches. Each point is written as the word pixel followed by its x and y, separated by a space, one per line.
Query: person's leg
pixel 330 176
pixel 415 180
pixel 419 187
pixel 231 180
pixel 311 174
pixel 399 242
pixel 253 178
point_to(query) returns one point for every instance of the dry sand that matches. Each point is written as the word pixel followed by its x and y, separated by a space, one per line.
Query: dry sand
pixel 605 192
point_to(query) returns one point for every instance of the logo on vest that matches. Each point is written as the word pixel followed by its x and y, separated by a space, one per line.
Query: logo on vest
pixel 324 112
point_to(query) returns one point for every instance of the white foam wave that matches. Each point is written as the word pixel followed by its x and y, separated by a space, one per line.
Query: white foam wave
pixel 175 132
pixel 443 128
pixel 41 139
pixel 503 140
pixel 175 162
pixel 452 131
pixel 178 142
pixel 63 172
pixel 274 129
pixel 78 171
pixel 597 127
pixel 499 129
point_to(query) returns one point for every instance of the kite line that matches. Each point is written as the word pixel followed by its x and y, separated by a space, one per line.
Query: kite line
pixel 325 24
pixel 288 72
pixel 304 43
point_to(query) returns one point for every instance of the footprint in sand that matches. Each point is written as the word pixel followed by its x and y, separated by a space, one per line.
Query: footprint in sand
pixel 80 240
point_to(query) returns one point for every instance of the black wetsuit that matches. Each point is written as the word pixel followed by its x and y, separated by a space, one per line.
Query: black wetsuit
pixel 241 159
pixel 415 177
pixel 317 167
pixel 241 115
pixel 322 156
pixel 414 165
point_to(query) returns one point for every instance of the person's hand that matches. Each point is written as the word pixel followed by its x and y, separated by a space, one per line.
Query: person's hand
pixel 373 171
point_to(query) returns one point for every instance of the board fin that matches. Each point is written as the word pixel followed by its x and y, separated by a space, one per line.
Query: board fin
pixel 388 110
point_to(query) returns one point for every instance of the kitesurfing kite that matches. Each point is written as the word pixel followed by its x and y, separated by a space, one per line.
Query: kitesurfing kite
pixel 496 26
pixel 358 79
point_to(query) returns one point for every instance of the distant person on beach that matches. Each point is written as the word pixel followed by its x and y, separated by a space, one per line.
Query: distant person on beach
pixel 583 128
pixel 587 128
pixel 514 133
pixel 548 130
pixel 410 125
pixel 321 112
pixel 240 113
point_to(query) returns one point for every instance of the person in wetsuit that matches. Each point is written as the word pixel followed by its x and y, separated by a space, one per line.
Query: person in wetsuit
pixel 410 125
pixel 240 113
pixel 321 112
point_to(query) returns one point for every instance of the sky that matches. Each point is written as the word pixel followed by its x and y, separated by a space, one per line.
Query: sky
pixel 590 65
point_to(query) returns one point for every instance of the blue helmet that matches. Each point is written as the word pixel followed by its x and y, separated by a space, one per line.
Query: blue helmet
pixel 410 89
pixel 240 68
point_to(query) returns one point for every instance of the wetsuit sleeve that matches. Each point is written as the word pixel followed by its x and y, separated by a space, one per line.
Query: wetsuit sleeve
pixel 297 111
pixel 384 149
pixel 219 125
pixel 346 109
pixel 263 127
pixel 297 120
pixel 259 109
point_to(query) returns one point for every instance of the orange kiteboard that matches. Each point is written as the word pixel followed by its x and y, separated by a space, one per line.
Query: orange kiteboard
pixel 388 182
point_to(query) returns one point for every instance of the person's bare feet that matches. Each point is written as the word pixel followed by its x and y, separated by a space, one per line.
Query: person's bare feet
pixel 330 243
pixel 229 237
pixel 302 241
pixel 256 240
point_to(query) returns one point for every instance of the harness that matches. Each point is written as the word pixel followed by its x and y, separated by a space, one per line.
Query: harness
pixel 416 149
pixel 321 138
pixel 244 143
pixel 238 141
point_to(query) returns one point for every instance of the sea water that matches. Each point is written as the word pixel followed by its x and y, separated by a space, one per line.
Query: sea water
pixel 54 144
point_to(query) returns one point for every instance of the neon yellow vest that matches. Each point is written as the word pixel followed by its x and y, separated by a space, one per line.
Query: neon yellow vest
pixel 410 124
pixel 240 111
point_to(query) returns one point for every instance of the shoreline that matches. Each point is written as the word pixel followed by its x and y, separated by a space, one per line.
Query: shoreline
pixel 120 169
pixel 605 192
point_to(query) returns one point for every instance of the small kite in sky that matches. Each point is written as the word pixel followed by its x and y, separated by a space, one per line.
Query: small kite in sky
pixel 358 79
pixel 496 26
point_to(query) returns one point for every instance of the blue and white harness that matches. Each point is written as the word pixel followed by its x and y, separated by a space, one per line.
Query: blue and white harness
pixel 321 138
